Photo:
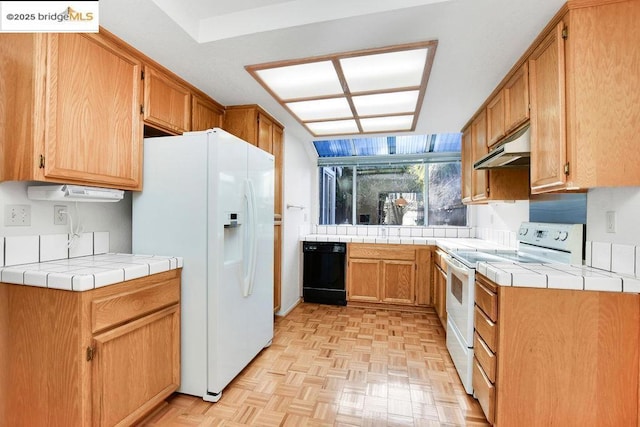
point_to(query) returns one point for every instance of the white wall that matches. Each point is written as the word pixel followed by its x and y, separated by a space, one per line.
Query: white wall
pixel 625 202
pixel 112 217
pixel 499 222
pixel 298 179
pixel 501 216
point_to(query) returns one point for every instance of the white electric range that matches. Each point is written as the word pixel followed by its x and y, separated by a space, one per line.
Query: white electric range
pixel 537 243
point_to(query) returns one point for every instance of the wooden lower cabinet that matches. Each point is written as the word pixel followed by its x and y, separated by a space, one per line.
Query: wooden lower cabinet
pixel 556 357
pixel 387 273
pixel 104 357
pixel 364 277
pixel 440 287
pixel 277 267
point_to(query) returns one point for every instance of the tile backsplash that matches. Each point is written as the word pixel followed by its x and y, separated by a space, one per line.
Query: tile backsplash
pixel 391 231
pixel 15 250
pixel 614 257
pixel 502 237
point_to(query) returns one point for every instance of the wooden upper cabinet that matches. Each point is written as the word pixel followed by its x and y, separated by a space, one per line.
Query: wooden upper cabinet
pixel 253 124
pixel 585 109
pixel 167 102
pixel 72 104
pixel 265 133
pixel 467 164
pixel 482 186
pixel 516 99
pixel 205 114
pixel 548 127
pixel 278 152
pixel 509 108
pixel 480 181
pixel 495 118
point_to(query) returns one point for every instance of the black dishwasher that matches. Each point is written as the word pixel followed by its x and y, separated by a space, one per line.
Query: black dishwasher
pixel 323 272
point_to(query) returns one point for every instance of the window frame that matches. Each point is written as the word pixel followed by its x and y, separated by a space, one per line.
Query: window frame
pixel 355 161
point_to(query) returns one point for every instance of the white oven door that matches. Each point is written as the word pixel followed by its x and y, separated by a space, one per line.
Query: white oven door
pixel 460 298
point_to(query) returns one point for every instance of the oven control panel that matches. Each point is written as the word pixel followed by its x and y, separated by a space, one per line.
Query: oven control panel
pixel 563 237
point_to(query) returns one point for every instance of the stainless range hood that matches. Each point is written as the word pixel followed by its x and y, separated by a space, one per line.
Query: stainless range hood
pixel 514 152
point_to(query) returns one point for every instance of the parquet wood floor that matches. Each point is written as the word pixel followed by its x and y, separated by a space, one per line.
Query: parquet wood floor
pixel 340 366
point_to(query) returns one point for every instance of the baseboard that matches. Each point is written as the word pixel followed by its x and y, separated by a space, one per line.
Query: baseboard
pixel 283 313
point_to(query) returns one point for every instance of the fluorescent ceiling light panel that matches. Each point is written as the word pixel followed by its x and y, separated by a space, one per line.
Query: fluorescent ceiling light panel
pixel 386 103
pixel 336 127
pixel 321 109
pixel 366 91
pixel 302 81
pixel 384 70
pixel 391 123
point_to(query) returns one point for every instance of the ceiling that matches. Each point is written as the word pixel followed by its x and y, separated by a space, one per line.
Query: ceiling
pixel 208 43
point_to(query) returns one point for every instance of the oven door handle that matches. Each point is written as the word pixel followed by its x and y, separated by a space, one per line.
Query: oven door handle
pixel 456 265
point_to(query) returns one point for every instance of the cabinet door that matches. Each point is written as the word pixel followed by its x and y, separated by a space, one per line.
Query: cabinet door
pixel 278 152
pixel 167 103
pixel 398 282
pixel 440 295
pixel 424 284
pixel 135 367
pixel 364 280
pixel 548 113
pixel 480 181
pixel 205 114
pixel 265 133
pixel 94 126
pixel 467 165
pixel 516 99
pixel 277 266
pixel 495 119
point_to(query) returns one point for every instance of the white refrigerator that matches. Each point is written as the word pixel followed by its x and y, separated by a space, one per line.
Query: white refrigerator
pixel 208 197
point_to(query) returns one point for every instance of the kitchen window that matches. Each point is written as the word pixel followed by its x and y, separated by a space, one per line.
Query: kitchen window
pixel 380 181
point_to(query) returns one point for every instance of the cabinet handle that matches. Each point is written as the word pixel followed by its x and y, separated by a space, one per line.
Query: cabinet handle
pixel 91 352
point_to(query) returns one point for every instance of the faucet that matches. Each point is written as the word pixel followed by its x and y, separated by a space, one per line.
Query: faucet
pixel 383 232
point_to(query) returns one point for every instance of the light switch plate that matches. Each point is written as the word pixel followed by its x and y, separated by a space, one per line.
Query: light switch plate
pixel 611 221
pixel 17 215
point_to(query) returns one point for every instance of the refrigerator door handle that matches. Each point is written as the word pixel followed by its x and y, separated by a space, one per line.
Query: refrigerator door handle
pixel 252 238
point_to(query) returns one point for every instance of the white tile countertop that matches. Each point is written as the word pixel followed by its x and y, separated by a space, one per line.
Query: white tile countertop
pixel 551 276
pixel 446 243
pixel 88 272
pixel 557 276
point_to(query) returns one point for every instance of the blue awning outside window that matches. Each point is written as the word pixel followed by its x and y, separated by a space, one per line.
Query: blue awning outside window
pixel 389 146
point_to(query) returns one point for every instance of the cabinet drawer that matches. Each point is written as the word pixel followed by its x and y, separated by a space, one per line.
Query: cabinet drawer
pixel 485 356
pixel 385 252
pixel 484 391
pixel 485 328
pixel 119 308
pixel 439 258
pixel 487 301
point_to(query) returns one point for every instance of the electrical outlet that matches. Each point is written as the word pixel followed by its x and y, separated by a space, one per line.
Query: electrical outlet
pixel 611 221
pixel 17 215
pixel 60 215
